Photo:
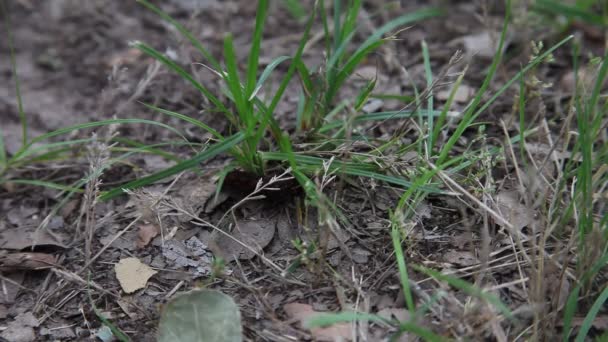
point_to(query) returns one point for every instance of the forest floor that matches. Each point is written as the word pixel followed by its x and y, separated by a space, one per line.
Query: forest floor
pixel 488 226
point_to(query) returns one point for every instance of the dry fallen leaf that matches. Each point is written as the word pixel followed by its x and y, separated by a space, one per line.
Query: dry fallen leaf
pixel 335 332
pixel 145 234
pixel 519 215
pixel 254 234
pixel 192 253
pixel 26 261
pixel 23 237
pixel 21 329
pixel 132 274
pixel 460 258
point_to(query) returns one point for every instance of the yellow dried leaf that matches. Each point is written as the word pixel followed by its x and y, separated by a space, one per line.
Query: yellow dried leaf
pixel 132 274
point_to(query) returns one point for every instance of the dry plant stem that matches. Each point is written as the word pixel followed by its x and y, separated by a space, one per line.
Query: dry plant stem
pixel 73 277
pixel 8 280
pixel 103 249
pixel 59 305
pixel 520 236
pixel 142 85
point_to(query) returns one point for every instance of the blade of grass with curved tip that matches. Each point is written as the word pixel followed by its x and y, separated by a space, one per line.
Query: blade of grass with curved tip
pixel 53 146
pixel 254 51
pixel 266 73
pixel 150 51
pixel 212 151
pixel 588 321
pixel 375 40
pixel 195 42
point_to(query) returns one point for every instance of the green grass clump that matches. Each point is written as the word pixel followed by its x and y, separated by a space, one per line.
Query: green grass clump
pixel 259 138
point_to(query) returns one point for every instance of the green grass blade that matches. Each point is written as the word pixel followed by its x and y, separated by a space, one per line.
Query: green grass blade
pixel 394 24
pixel 337 9
pixel 150 51
pixel 233 81
pixel 186 118
pixel 11 47
pixel 429 84
pixel 211 152
pixel 326 319
pixel 312 164
pixel 419 331
pixel 364 94
pixel 3 160
pixel 254 52
pixel 379 116
pixel 119 334
pixel 444 113
pixel 295 8
pixel 44 184
pixel 403 275
pixel 469 116
pixel 266 73
pixel 588 321
pixel 571 12
pixel 195 42
pixel 469 288
pixel 569 312
pixel 350 21
pixel 69 129
pixel 295 63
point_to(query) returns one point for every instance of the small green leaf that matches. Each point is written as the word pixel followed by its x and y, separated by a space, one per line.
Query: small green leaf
pixel 201 315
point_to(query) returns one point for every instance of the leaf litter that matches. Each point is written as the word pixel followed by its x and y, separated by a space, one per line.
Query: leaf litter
pixel 193 254
pixel 132 274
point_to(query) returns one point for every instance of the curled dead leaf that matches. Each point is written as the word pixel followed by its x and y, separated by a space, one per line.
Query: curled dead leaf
pixel 145 234
pixel 26 261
